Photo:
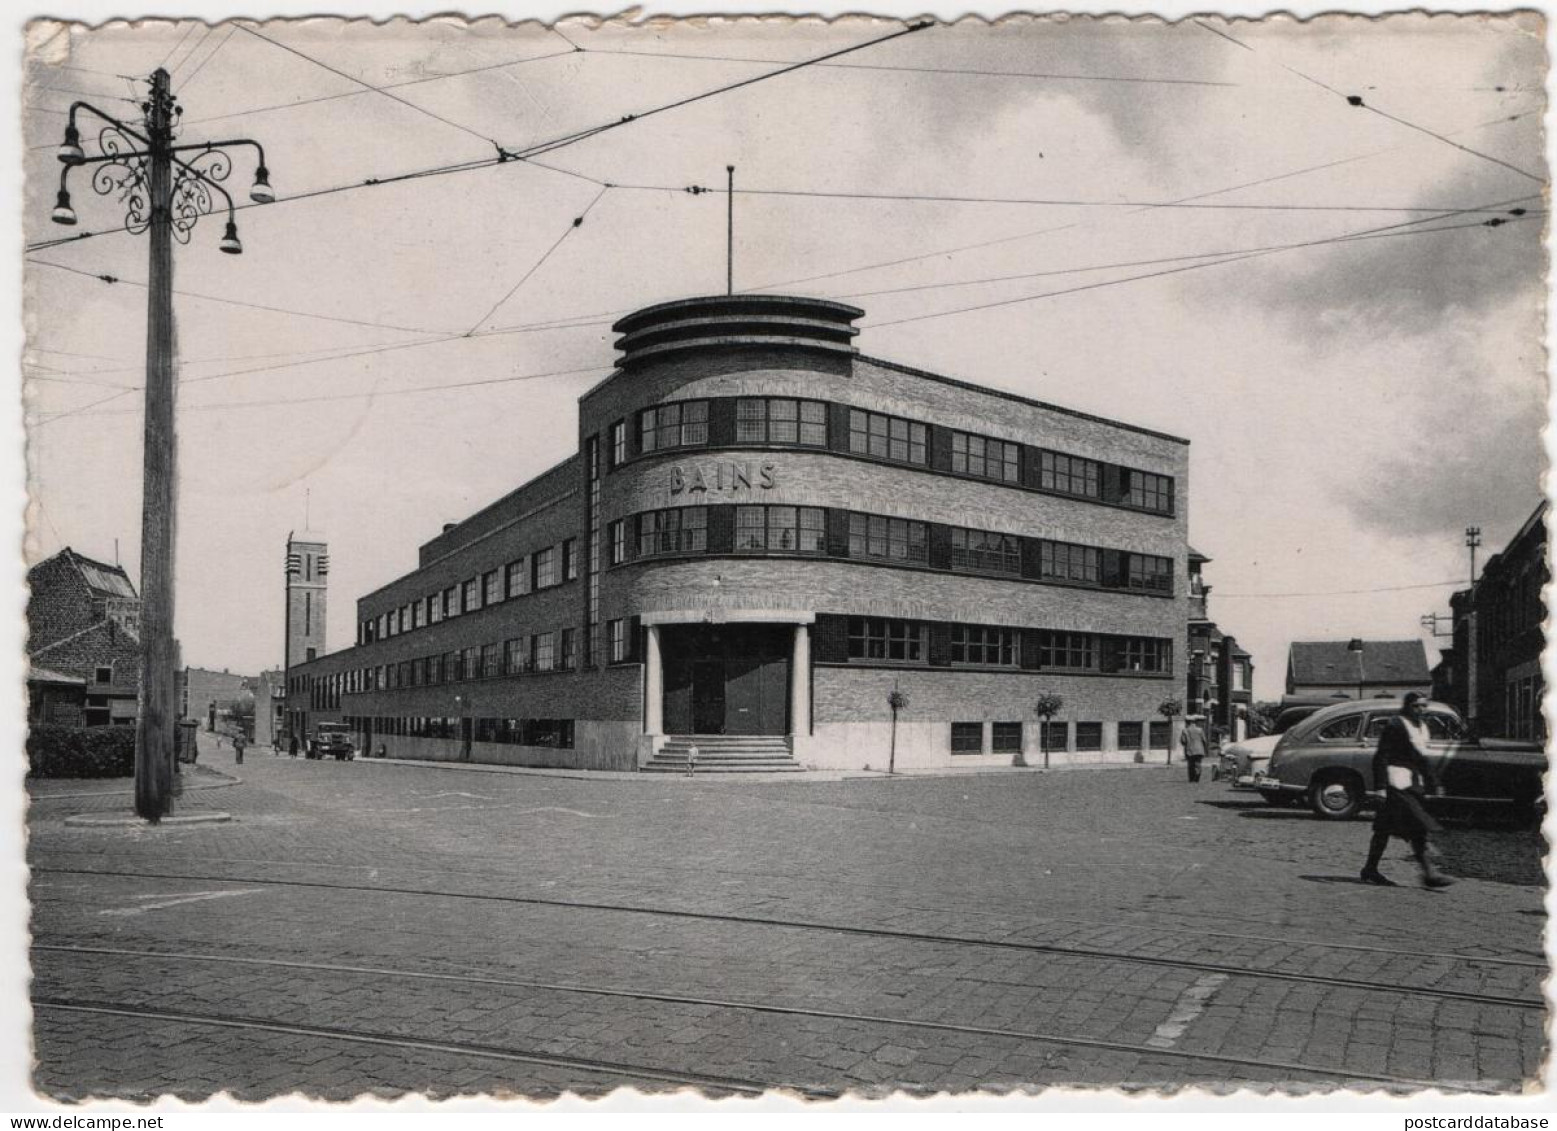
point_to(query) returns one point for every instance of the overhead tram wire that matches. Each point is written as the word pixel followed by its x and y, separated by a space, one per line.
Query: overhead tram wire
pixel 505 156
pixel 186 80
pixel 1345 237
pixel 1357 101
pixel 575 225
pixel 174 50
pixel 1460 582
pixel 111 279
pixel 1071 226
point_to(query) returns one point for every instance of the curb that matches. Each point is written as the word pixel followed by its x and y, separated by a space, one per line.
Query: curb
pixel 226 781
pixel 118 821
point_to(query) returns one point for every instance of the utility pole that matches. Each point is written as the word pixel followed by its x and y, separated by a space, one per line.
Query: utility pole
pixel 1473 539
pixel 729 230
pixel 165 195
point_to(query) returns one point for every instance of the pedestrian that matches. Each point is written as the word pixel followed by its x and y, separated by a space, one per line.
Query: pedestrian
pixel 1193 739
pixel 292 746
pixel 1404 777
pixel 237 746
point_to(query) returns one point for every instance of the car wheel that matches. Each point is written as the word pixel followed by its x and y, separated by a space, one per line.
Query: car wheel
pixel 1335 798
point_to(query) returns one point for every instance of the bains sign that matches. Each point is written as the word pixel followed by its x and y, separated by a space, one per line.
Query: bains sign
pixel 732 476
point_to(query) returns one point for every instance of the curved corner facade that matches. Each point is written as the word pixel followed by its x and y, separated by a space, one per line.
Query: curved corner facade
pixel 771 541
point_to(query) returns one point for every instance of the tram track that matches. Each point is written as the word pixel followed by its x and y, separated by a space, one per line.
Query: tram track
pixel 1285 1070
pixel 849 930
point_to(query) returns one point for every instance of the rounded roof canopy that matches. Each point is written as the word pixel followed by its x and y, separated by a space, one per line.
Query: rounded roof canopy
pixel 724 321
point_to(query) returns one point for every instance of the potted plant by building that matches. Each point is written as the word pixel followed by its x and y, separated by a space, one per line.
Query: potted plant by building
pixel 897 699
pixel 1046 708
pixel 1169 709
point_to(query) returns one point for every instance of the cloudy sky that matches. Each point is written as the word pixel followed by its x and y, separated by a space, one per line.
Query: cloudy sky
pixel 1187 227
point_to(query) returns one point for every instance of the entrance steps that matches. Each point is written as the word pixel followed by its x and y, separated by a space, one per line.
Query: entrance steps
pixel 725 754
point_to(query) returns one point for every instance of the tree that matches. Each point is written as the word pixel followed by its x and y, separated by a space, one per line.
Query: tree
pixel 1046 708
pixel 897 699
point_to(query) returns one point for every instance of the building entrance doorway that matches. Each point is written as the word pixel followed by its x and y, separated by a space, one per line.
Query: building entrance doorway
pixel 729 679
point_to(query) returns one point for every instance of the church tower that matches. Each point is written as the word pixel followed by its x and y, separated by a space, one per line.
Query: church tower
pixel 308 564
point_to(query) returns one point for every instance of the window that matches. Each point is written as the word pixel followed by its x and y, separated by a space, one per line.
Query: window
pixel 518 576
pixel 1146 571
pixel 451 601
pixel 1074 650
pixel 434 608
pixel 435 669
pixel 405 618
pixel 1158 733
pixel 1341 730
pixel 513 656
pixel 1069 475
pixel 780 528
pixel 570 559
pixel 1444 728
pixel 567 650
pixel 967 738
pixel 985 550
pixel 983 644
pixel 454 666
pixel 491 660
pixel 780 421
pixel 678 425
pixel 1062 561
pixel 618 532
pixel 990 459
pixel 1089 736
pixel 471 658
pixel 1148 491
pixel 541 653
pixel 1005 738
pixel 616 634
pixel 682 530
pixel 877 638
pixel 308 613
pixel 1145 654
pixel 1130 735
pixel 545 567
pixel 103 675
pixel 492 587
pixel 619 443
pixel 472 593
pixel 886 437
pixel 896 539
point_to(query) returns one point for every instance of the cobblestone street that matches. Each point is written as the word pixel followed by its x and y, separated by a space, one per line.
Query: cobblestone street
pixel 371 927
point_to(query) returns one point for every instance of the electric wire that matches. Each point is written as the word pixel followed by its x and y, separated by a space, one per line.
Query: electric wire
pixel 1461 582
pixel 206 30
pixel 187 80
pixel 174 49
pixel 572 227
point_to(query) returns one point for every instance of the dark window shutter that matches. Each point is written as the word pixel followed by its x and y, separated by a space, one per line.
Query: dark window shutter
pixel 1030 563
pixel 837 533
pixel 940 644
pixel 940 448
pixel 721 530
pixel 830 639
pixel 721 422
pixel 1029 650
pixel 1113 569
pixel 940 546
pixel 1031 466
pixel 1109 653
pixel 634 639
pixel 634 434
pixel 838 427
pixel 1114 483
pixel 630 537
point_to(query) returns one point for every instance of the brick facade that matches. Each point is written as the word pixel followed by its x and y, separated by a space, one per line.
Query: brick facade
pixel 390 682
pixel 82 621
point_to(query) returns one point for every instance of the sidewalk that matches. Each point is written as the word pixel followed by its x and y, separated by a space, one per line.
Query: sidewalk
pixel 194 779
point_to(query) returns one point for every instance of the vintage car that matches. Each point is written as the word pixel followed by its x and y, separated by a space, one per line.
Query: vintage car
pixel 1326 760
pixel 1243 761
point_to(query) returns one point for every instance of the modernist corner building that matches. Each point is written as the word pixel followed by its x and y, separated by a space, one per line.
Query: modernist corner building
pixel 765 534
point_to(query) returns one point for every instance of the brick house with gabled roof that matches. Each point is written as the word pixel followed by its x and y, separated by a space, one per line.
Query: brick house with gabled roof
pixel 83 621
pixel 1383 667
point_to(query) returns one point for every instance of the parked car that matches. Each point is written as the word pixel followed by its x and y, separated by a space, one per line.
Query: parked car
pixel 1243 761
pixel 333 740
pixel 1327 761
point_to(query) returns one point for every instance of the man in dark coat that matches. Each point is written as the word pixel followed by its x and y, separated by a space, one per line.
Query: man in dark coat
pixel 1193 739
pixel 1403 774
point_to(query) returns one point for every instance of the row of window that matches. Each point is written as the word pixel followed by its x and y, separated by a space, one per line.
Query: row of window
pixel 805 423
pixel 891 640
pixel 804 530
pixel 1006 738
pixel 529 574
pixel 555 733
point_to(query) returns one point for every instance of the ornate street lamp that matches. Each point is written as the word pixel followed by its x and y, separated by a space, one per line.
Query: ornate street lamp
pixel 164 194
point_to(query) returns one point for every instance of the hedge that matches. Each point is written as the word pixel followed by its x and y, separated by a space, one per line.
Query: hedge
pixel 80 752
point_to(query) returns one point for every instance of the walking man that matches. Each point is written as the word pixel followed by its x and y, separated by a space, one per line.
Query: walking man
pixel 292 746
pixel 237 745
pixel 1194 742
pixel 1403 774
